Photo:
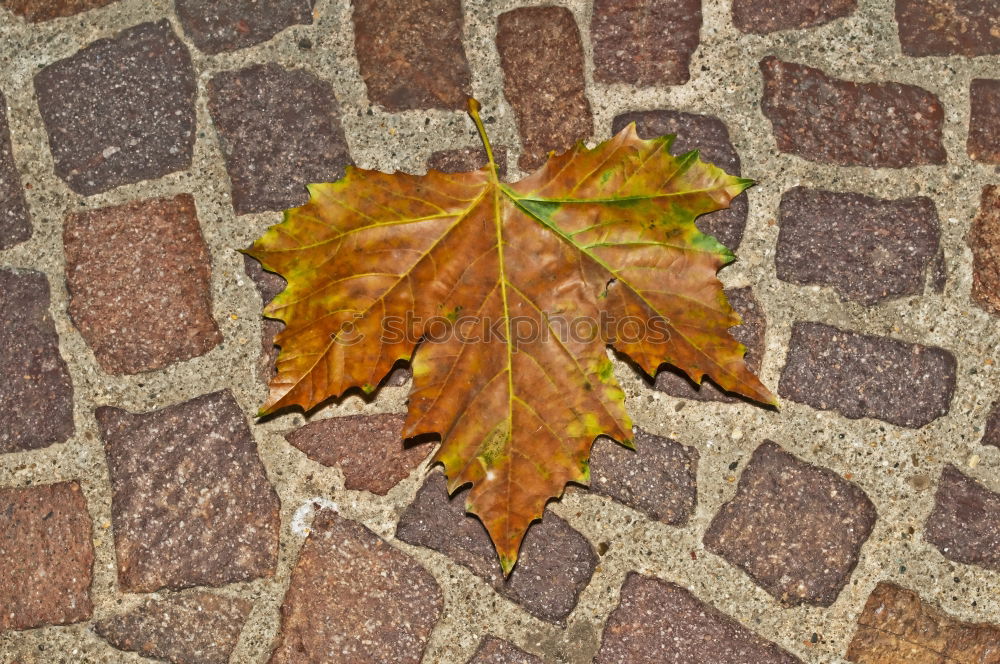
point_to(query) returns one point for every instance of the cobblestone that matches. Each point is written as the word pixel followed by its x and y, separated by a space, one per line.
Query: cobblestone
pixel 228 25
pixel 948 27
pixel 15 224
pixel 965 523
pixel 762 17
pixel 984 239
pixel 984 123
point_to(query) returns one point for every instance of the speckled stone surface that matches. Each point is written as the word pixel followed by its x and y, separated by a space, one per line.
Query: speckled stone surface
pixel 15 223
pixel 865 248
pixel 984 121
pixel 134 271
pixel 948 27
pixel 46 556
pixel 984 240
pixel 197 628
pixel 36 390
pixel 765 16
pixel 143 74
pixel 37 11
pixel 991 433
pixel 355 598
pixel 464 160
pixel 191 504
pixel 965 523
pixel 657 622
pixel 497 651
pixel 216 26
pixel 268 285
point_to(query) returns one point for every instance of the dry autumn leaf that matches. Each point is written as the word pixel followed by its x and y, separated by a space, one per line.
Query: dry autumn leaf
pixel 505 298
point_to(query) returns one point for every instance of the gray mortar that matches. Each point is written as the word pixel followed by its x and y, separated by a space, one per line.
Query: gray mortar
pixel 863 46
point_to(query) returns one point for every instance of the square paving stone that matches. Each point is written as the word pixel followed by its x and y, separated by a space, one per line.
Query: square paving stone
pixel 410 53
pixel 965 522
pixel 198 628
pixel 544 84
pixel 216 26
pixel 46 556
pixel 861 375
pixel 37 11
pixel 948 27
pixel 15 224
pixel 36 392
pixel 984 119
pixel 280 130
pixel 139 284
pixel 710 136
pixel 354 598
pixel 984 240
pixel 658 477
pixel 120 110
pixel 828 120
pixel 368 449
pixel 795 528
pixel 898 627
pixel 644 42
pixel 657 622
pixel 555 563
pixel 867 249
pixel 191 504
pixel 765 16
pixel 497 651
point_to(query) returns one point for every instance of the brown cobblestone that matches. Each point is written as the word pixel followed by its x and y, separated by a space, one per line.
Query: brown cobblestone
pixel 991 436
pixel 37 11
pixel 15 224
pixel 544 84
pixel 353 595
pixel 268 285
pixel 464 160
pixel 984 121
pixel 795 528
pixel 216 26
pixel 984 239
pixel 764 16
pixel 131 323
pixel 965 523
pixel 496 651
pixel 948 27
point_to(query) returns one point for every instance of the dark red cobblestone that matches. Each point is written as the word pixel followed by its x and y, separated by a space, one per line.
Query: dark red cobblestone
pixel 544 84
pixel 36 392
pixel 198 628
pixel 191 504
pixel 353 443
pixel 464 160
pixel 354 598
pixel 709 135
pixel 829 120
pixel 279 130
pixel 143 74
pixel 15 224
pixel 644 42
pixel 659 623
pixel 268 286
pixel 46 556
pixel 948 27
pixel 861 375
pixel 410 53
pixel 131 322
pixel 750 332
pixel 764 16
pixel 867 249
pixel 37 11
pixel 216 26
pixel 496 651
pixel 984 121
pixel 991 436
pixel 658 477
pixel 965 523
pixel 984 240
pixel 555 564
pixel 795 528
pixel 897 627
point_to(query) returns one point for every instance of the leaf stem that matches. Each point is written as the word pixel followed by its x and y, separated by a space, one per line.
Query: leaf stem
pixel 474 112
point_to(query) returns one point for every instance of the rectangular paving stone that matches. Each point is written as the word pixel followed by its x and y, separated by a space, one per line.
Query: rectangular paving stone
pixel 143 74
pixel 796 529
pixel 353 443
pixel 867 249
pixel 15 224
pixel 644 42
pixel 46 556
pixel 765 16
pixel 544 84
pixel 984 121
pixel 710 136
pixel 948 27
pixel 410 53
pixel 216 26
pixel 191 504
pixel 497 651
pixel 279 130
pixel 860 375
pixel 750 332
pixel 555 563
pixel 965 522
pixel 36 392
pixel 197 628
pixel 139 281
pixel 829 120
pixel 897 626
pixel 36 11
pixel 658 477
pixel 657 622
pixel 354 598
pixel 984 240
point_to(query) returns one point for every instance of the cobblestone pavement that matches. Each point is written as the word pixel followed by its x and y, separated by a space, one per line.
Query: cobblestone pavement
pixel 144 511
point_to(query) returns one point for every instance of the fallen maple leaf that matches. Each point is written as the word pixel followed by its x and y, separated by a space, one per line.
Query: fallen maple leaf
pixel 513 292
